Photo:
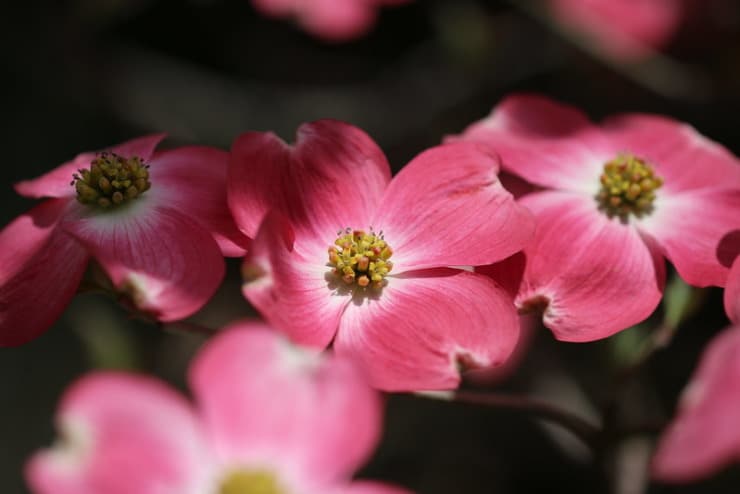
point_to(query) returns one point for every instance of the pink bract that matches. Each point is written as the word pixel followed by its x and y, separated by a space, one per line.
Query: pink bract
pixel 704 436
pixel 445 208
pixel 594 274
pixel 264 410
pixel 332 20
pixel 732 293
pixel 163 250
pixel 624 29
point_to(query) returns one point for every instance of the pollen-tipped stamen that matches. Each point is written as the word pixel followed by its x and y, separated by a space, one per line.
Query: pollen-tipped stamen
pixel 628 186
pixel 361 259
pixel 111 180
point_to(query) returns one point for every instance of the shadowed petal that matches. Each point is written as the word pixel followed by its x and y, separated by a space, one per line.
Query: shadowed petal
pixel 192 180
pixel 595 275
pixel 263 399
pixel 289 286
pixel 121 434
pixel 333 177
pixel 40 270
pixel 426 326
pixel 447 208
pixel 507 273
pixel 732 294
pixel 164 261
pixel 57 183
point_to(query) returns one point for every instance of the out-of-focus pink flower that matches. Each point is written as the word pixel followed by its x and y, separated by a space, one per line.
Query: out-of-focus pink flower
pixel 352 256
pixel 268 418
pixel 332 20
pixel 153 221
pixel 617 198
pixel 704 436
pixel 624 29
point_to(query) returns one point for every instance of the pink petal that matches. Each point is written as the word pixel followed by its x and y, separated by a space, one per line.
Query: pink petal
pixel 193 180
pixel 143 147
pixel 368 487
pixel 338 21
pixel 328 19
pixel 704 436
pixel 596 276
pixel 167 263
pixel 517 186
pixel 698 232
pixel 40 270
pixel 732 293
pixel 529 325
pixel 531 115
pixel 332 178
pixel 447 207
pixel 625 29
pixel 547 143
pixel 121 434
pixel 287 283
pixel 507 273
pixel 57 183
pixel 264 400
pixel 685 159
pixel 423 328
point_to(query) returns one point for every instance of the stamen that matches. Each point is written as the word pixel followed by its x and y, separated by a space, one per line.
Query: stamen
pixel 111 180
pixel 628 186
pixel 360 259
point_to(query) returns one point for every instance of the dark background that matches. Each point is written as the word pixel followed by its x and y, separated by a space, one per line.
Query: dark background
pixel 85 74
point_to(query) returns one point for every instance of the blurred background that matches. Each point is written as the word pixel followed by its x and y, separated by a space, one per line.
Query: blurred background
pixel 81 75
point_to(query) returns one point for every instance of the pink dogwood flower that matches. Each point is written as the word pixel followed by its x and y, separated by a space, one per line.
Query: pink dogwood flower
pixel 268 418
pixel 704 437
pixel 155 222
pixel 332 20
pixel 624 29
pixel 613 200
pixel 350 256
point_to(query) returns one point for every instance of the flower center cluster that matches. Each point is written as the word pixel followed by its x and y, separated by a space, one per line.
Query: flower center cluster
pixel 628 186
pixel 111 180
pixel 250 482
pixel 361 259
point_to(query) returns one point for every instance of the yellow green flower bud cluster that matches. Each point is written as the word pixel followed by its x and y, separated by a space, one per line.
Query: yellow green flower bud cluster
pixel 361 259
pixel 628 186
pixel 111 180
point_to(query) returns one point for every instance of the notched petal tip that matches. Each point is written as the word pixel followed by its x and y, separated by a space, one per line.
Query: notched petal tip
pixel 138 297
pixel 465 361
pixel 252 271
pixel 536 304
